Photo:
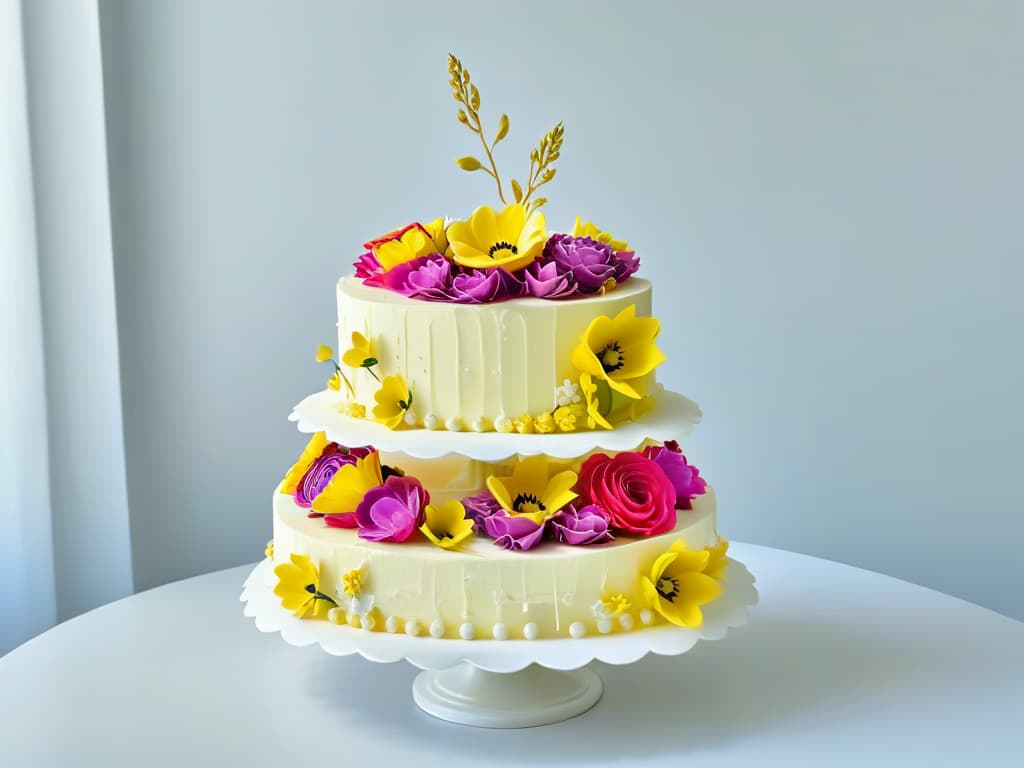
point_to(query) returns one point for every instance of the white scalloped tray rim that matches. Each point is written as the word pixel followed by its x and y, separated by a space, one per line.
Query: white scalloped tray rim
pixel 673 417
pixel 728 611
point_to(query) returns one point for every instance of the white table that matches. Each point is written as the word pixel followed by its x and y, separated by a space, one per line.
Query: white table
pixel 838 666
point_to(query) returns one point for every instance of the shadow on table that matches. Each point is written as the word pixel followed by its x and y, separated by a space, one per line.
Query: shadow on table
pixel 764 676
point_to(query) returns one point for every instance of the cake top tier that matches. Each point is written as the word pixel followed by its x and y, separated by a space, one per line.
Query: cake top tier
pixel 497 254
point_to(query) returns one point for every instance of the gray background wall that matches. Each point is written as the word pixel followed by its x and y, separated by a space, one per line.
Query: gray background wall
pixel 827 195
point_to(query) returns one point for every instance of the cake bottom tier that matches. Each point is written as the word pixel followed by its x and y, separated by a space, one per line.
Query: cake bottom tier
pixel 480 590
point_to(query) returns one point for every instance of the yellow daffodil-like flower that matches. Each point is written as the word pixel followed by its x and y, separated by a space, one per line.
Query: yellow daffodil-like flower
pixel 393 398
pixel 353 409
pixel 406 244
pixel 335 381
pixel 324 353
pixel 268 551
pixel 447 526
pixel 361 355
pixel 619 350
pixel 613 605
pixel 298 586
pixel 596 410
pixel 310 453
pixel 717 560
pixel 588 229
pixel 524 424
pixel 352 582
pixel 348 486
pixel 544 423
pixel 677 587
pixel 530 492
pixel 488 239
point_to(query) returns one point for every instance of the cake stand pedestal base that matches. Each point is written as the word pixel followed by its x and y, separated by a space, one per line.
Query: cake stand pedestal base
pixel 535 695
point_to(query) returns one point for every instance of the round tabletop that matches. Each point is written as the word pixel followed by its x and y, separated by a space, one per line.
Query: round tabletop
pixel 838 666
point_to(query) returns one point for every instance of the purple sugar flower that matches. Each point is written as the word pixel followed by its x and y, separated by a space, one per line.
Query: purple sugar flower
pixel 480 506
pixel 591 263
pixel 322 470
pixel 518 533
pixel 626 263
pixel 427 277
pixel 393 511
pixel 485 286
pixel 545 281
pixel 587 525
pixel 685 477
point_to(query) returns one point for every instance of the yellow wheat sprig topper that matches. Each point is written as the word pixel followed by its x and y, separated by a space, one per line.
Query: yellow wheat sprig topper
pixel 541 157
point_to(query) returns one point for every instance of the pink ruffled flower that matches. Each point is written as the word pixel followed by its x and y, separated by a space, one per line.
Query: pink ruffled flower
pixel 685 478
pixel 369 269
pixel 632 490
pixel 517 533
pixel 586 525
pixel 322 470
pixel 547 281
pixel 393 511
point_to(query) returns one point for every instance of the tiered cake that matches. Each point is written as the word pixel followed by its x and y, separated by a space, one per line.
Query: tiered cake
pixel 492 457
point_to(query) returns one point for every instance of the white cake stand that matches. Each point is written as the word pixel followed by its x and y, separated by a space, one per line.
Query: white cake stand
pixel 501 683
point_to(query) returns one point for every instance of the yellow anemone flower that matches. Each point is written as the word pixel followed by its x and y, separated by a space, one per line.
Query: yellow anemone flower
pixel 447 526
pixel 619 349
pixel 348 486
pixel 361 355
pixel 488 239
pixel 530 492
pixel 677 588
pixel 298 586
pixel 437 231
pixel 403 245
pixel 393 398
pixel 589 229
pixel 310 453
pixel 717 560
pixel 324 353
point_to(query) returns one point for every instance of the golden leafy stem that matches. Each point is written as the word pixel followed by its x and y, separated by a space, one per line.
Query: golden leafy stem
pixel 541 169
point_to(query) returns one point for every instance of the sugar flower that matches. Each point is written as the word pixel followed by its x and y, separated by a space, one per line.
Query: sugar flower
pixel 352 582
pixel 589 229
pixel 529 492
pixel 519 532
pixel 610 606
pixel 429 277
pixel 586 525
pixel 342 495
pixel 597 407
pixel 392 511
pixel 323 469
pixel 268 551
pixel 488 239
pixel 324 353
pixel 479 506
pixel 592 264
pixel 619 350
pixel 545 280
pixel 567 417
pixel 393 399
pixel 368 269
pixel 405 244
pixel 298 587
pixel 567 394
pixel 676 587
pixel 313 449
pixel 718 562
pixel 544 423
pixel 485 286
pixel 684 477
pixel 447 526
pixel 632 490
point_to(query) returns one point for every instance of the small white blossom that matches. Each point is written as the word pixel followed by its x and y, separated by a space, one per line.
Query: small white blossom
pixel 567 394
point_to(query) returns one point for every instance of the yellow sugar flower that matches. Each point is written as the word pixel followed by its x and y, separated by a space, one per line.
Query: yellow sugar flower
pixel 524 424
pixel 335 381
pixel 447 526
pixel 268 551
pixel 403 245
pixel 352 582
pixel 348 486
pixel 717 560
pixel 544 423
pixel 530 492
pixel 613 605
pixel 361 354
pixel 568 416
pixel 619 350
pixel 438 234
pixel 324 353
pixel 677 588
pixel 393 399
pixel 298 586
pixel 353 409
pixel 589 229
pixel 596 410
pixel 488 239
pixel 310 453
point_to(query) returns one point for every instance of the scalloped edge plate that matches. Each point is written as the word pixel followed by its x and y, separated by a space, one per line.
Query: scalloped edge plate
pixel 673 417
pixel 728 611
